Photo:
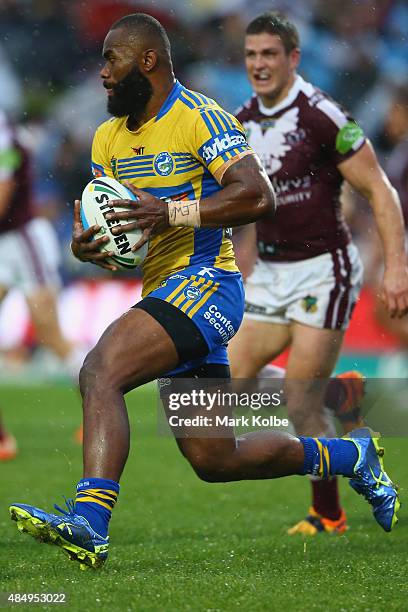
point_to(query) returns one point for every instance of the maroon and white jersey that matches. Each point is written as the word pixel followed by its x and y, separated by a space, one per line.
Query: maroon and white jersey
pixel 300 142
pixel 14 164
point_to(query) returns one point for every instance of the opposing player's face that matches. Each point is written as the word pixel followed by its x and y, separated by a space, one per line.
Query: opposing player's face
pixel 270 69
pixel 128 89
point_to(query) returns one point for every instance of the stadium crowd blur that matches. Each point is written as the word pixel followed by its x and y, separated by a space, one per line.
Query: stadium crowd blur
pixel 356 50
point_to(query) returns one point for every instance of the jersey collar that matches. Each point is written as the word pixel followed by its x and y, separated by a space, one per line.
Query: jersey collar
pixel 290 98
pixel 170 100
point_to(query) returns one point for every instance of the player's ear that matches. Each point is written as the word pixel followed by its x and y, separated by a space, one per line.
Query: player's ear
pixel 149 59
pixel 294 57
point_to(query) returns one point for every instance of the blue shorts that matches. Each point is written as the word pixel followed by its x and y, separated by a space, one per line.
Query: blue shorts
pixel 214 300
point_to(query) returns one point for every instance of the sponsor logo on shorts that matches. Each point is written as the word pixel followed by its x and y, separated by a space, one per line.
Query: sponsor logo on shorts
pixel 254 308
pixel 163 382
pixel 221 143
pixel 309 303
pixel 220 322
pixel 192 293
pixel 208 271
pixel 163 164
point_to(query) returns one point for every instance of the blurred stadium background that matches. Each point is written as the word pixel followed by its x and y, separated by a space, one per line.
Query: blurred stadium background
pixel 356 50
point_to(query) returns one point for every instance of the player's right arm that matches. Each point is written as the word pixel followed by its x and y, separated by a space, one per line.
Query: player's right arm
pixel 83 245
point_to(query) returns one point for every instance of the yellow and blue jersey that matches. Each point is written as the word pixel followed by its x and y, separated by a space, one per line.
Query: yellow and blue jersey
pixel 182 154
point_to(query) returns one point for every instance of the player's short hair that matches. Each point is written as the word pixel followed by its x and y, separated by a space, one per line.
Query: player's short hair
pixel 277 24
pixel 144 26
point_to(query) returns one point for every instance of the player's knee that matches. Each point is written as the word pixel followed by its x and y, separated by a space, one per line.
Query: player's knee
pixel 92 372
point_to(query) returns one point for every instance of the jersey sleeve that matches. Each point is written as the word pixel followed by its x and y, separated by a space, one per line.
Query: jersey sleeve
pixel 339 135
pixel 220 140
pixel 100 159
pixel 10 156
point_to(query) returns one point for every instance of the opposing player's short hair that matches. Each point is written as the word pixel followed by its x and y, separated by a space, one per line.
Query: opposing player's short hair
pixel 277 24
pixel 144 26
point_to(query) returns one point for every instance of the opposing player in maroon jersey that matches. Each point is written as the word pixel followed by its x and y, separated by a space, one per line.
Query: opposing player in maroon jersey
pixel 308 274
pixel 29 250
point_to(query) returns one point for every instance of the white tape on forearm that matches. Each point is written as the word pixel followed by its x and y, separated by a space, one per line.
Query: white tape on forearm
pixel 184 213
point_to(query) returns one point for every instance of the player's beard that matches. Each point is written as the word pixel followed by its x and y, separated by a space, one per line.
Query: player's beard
pixel 131 95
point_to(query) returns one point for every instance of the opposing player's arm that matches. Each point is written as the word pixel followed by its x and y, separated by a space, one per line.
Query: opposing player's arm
pixel 10 161
pixel 366 176
pixel 7 187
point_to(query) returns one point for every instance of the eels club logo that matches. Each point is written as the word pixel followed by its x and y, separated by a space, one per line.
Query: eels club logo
pixel 163 164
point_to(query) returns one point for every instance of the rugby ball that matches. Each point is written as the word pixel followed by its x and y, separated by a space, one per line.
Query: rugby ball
pixel 95 205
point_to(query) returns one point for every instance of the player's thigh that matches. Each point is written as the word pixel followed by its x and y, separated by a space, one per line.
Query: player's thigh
pixel 3 292
pixel 39 256
pixel 42 304
pixel 312 357
pixel 255 345
pixel 314 351
pixel 134 349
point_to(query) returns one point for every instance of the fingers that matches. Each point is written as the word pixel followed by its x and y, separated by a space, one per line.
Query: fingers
pixel 122 215
pixel 94 245
pixel 129 227
pixel 391 304
pixel 131 204
pixel 77 213
pixel 144 238
pixel 402 306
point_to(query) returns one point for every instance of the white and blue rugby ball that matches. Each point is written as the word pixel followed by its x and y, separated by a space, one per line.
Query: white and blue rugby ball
pixel 95 204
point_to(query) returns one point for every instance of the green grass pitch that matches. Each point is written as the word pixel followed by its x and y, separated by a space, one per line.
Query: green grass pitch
pixel 180 544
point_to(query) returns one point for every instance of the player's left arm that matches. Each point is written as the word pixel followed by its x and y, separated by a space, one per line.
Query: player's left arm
pixel 366 176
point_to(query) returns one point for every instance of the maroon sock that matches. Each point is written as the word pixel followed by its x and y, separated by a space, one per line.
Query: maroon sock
pixel 325 495
pixel 335 394
pixel 2 433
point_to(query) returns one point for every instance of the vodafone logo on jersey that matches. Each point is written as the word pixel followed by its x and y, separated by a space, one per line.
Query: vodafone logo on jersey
pixel 221 143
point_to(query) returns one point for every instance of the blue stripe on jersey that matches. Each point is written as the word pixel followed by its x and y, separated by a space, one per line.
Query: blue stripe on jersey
pixel 207 245
pixel 217 122
pixel 226 120
pixel 183 99
pixel 170 100
pixel 185 164
pixel 193 96
pixel 208 124
pixel 183 155
pixel 144 165
pixel 184 170
pixel 100 169
pixel 206 101
pixel 133 159
pixel 127 175
pixel 185 189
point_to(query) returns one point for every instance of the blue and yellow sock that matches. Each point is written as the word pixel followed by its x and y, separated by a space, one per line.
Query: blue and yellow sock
pixel 95 500
pixel 328 457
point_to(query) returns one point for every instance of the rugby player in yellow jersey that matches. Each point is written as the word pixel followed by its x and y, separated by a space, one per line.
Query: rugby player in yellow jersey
pixel 172 144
